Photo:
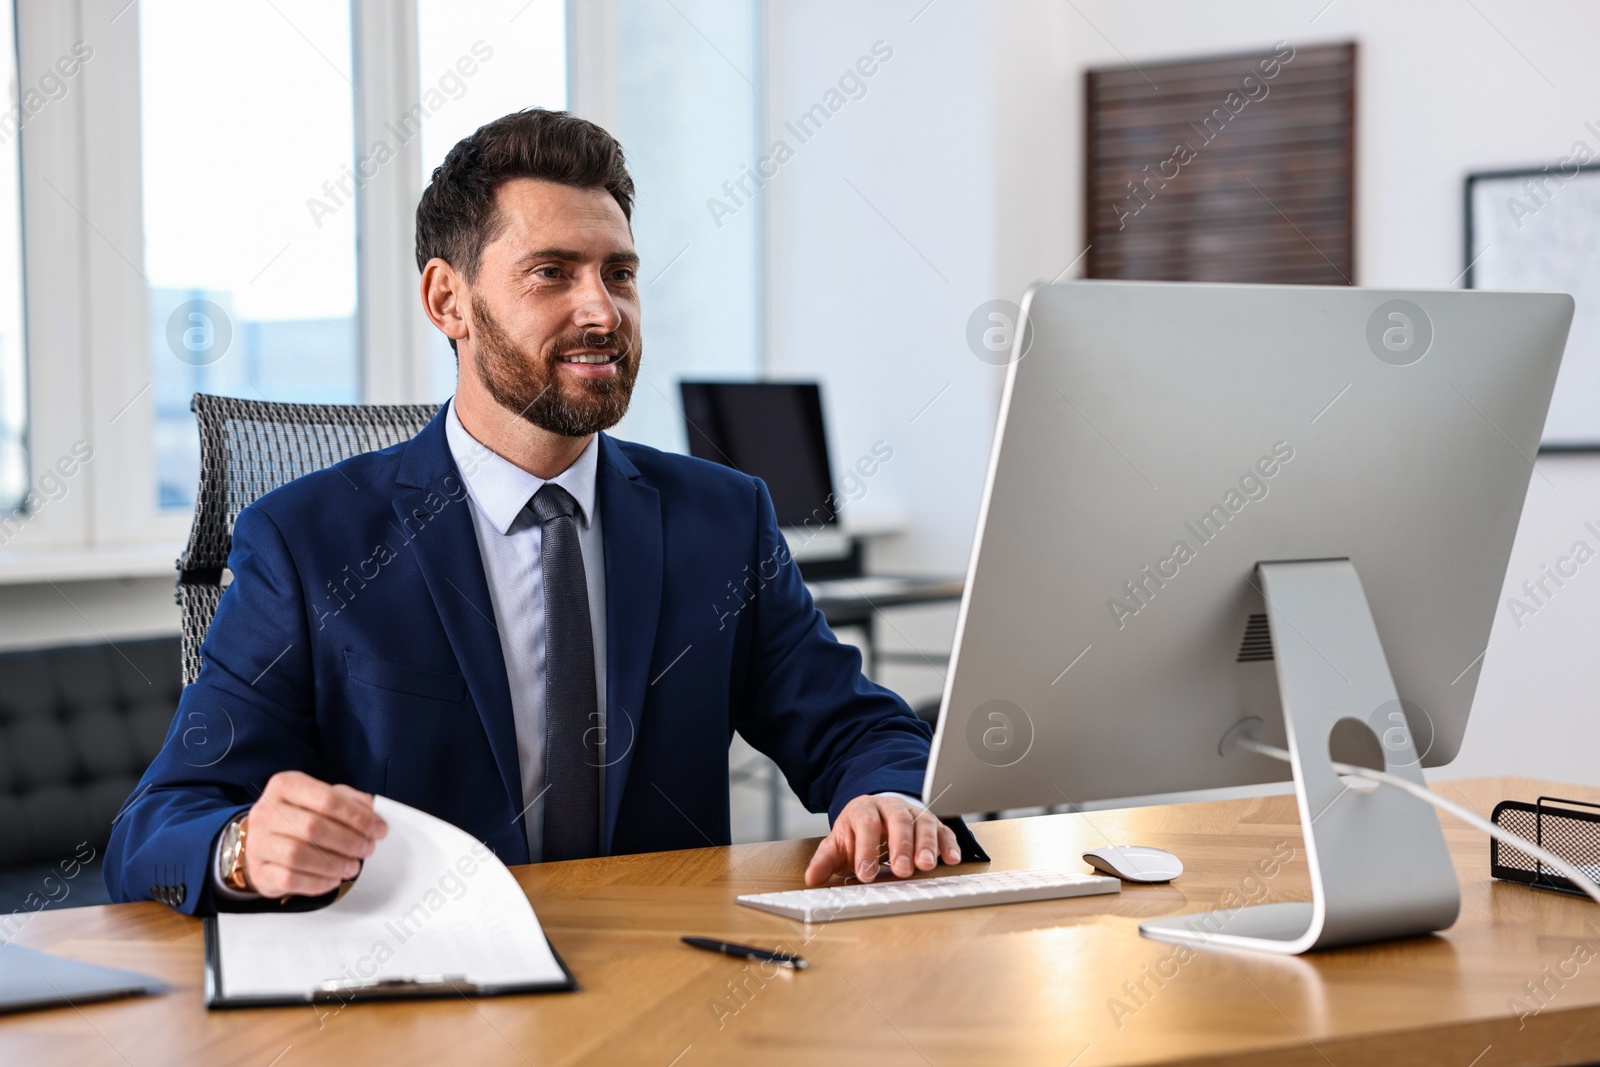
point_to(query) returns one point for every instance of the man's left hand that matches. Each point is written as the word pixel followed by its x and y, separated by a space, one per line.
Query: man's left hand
pixel 916 839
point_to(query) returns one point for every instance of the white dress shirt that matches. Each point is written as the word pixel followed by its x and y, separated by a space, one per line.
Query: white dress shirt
pixel 509 539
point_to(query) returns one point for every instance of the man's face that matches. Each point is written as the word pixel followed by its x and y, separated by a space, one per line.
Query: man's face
pixel 555 308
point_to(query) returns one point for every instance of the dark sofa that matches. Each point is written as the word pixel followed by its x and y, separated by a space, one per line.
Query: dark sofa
pixel 78 725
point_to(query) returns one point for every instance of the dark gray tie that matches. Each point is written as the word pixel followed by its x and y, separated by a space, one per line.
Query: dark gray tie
pixel 571 708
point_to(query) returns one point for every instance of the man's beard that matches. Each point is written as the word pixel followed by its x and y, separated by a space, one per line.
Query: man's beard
pixel 531 388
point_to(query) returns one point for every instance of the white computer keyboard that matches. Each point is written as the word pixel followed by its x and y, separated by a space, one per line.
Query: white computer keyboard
pixel 832 903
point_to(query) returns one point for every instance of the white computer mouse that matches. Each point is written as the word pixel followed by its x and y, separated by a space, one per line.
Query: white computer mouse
pixel 1135 863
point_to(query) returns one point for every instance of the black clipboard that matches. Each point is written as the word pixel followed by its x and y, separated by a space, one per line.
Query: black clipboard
pixel 418 989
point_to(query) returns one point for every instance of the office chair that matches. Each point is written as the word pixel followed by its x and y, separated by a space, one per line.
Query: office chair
pixel 250 447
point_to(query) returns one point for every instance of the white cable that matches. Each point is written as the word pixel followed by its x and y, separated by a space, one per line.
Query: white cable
pixel 1572 873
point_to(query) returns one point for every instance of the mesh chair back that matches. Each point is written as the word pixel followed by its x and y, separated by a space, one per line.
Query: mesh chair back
pixel 247 449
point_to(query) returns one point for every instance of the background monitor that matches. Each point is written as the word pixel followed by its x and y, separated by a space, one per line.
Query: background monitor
pixel 769 430
pixel 1155 442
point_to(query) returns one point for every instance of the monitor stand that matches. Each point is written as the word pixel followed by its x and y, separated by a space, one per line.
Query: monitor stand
pixel 1378 863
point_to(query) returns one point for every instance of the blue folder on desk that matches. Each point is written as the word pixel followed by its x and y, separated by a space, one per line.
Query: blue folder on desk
pixel 30 979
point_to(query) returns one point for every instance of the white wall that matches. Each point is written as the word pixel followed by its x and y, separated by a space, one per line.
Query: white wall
pixel 1441 92
pixel 880 245
pixel 1538 696
pixel 1444 89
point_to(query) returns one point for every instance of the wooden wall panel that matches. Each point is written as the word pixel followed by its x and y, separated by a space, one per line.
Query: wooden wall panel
pixel 1232 169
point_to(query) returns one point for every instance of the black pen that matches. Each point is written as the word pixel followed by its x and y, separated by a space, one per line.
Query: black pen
pixel 782 959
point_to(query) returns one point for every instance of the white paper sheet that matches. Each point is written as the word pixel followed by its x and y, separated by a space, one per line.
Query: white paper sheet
pixel 431 901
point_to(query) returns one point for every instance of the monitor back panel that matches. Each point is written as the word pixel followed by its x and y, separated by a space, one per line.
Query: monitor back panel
pixel 1155 442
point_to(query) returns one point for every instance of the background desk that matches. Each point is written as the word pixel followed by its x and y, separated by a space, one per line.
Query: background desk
pixel 854 602
pixel 1022 984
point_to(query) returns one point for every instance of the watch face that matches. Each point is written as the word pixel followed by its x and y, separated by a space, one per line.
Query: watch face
pixel 233 855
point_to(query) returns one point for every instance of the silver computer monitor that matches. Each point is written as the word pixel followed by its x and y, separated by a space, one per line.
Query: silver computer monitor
pixel 1156 442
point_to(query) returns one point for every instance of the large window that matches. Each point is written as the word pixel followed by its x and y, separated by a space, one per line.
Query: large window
pixel 200 184
pixel 688 116
pixel 13 373
pixel 477 62
pixel 247 110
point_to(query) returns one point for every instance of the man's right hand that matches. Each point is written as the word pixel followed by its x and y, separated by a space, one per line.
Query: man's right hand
pixel 307 836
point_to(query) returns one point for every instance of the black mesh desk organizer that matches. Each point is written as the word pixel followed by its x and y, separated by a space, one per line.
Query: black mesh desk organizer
pixel 1571 832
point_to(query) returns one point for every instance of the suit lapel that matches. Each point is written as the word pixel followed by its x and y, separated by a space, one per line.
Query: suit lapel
pixel 433 513
pixel 630 516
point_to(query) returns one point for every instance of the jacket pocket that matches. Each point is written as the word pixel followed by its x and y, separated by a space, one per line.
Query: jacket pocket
pixel 403 678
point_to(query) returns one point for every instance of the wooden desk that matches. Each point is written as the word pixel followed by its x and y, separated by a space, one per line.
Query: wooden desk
pixel 1047 983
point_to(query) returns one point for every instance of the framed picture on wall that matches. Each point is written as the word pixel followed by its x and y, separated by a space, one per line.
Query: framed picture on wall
pixel 1540 229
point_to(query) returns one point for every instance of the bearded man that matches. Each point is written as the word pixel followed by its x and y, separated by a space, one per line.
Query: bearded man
pixel 514 621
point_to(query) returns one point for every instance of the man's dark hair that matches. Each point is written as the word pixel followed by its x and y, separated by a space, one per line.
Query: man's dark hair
pixel 456 216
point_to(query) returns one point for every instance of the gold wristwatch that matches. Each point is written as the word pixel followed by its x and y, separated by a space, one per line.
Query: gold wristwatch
pixel 233 855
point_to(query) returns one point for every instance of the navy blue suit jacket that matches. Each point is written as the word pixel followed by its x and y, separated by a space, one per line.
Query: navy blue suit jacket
pixel 357 643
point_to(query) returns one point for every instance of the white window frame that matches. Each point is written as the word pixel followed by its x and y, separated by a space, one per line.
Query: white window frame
pixel 55 268
pixel 86 296
pixel 394 330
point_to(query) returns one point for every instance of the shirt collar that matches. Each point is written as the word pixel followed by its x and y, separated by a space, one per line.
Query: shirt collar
pixel 501 489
